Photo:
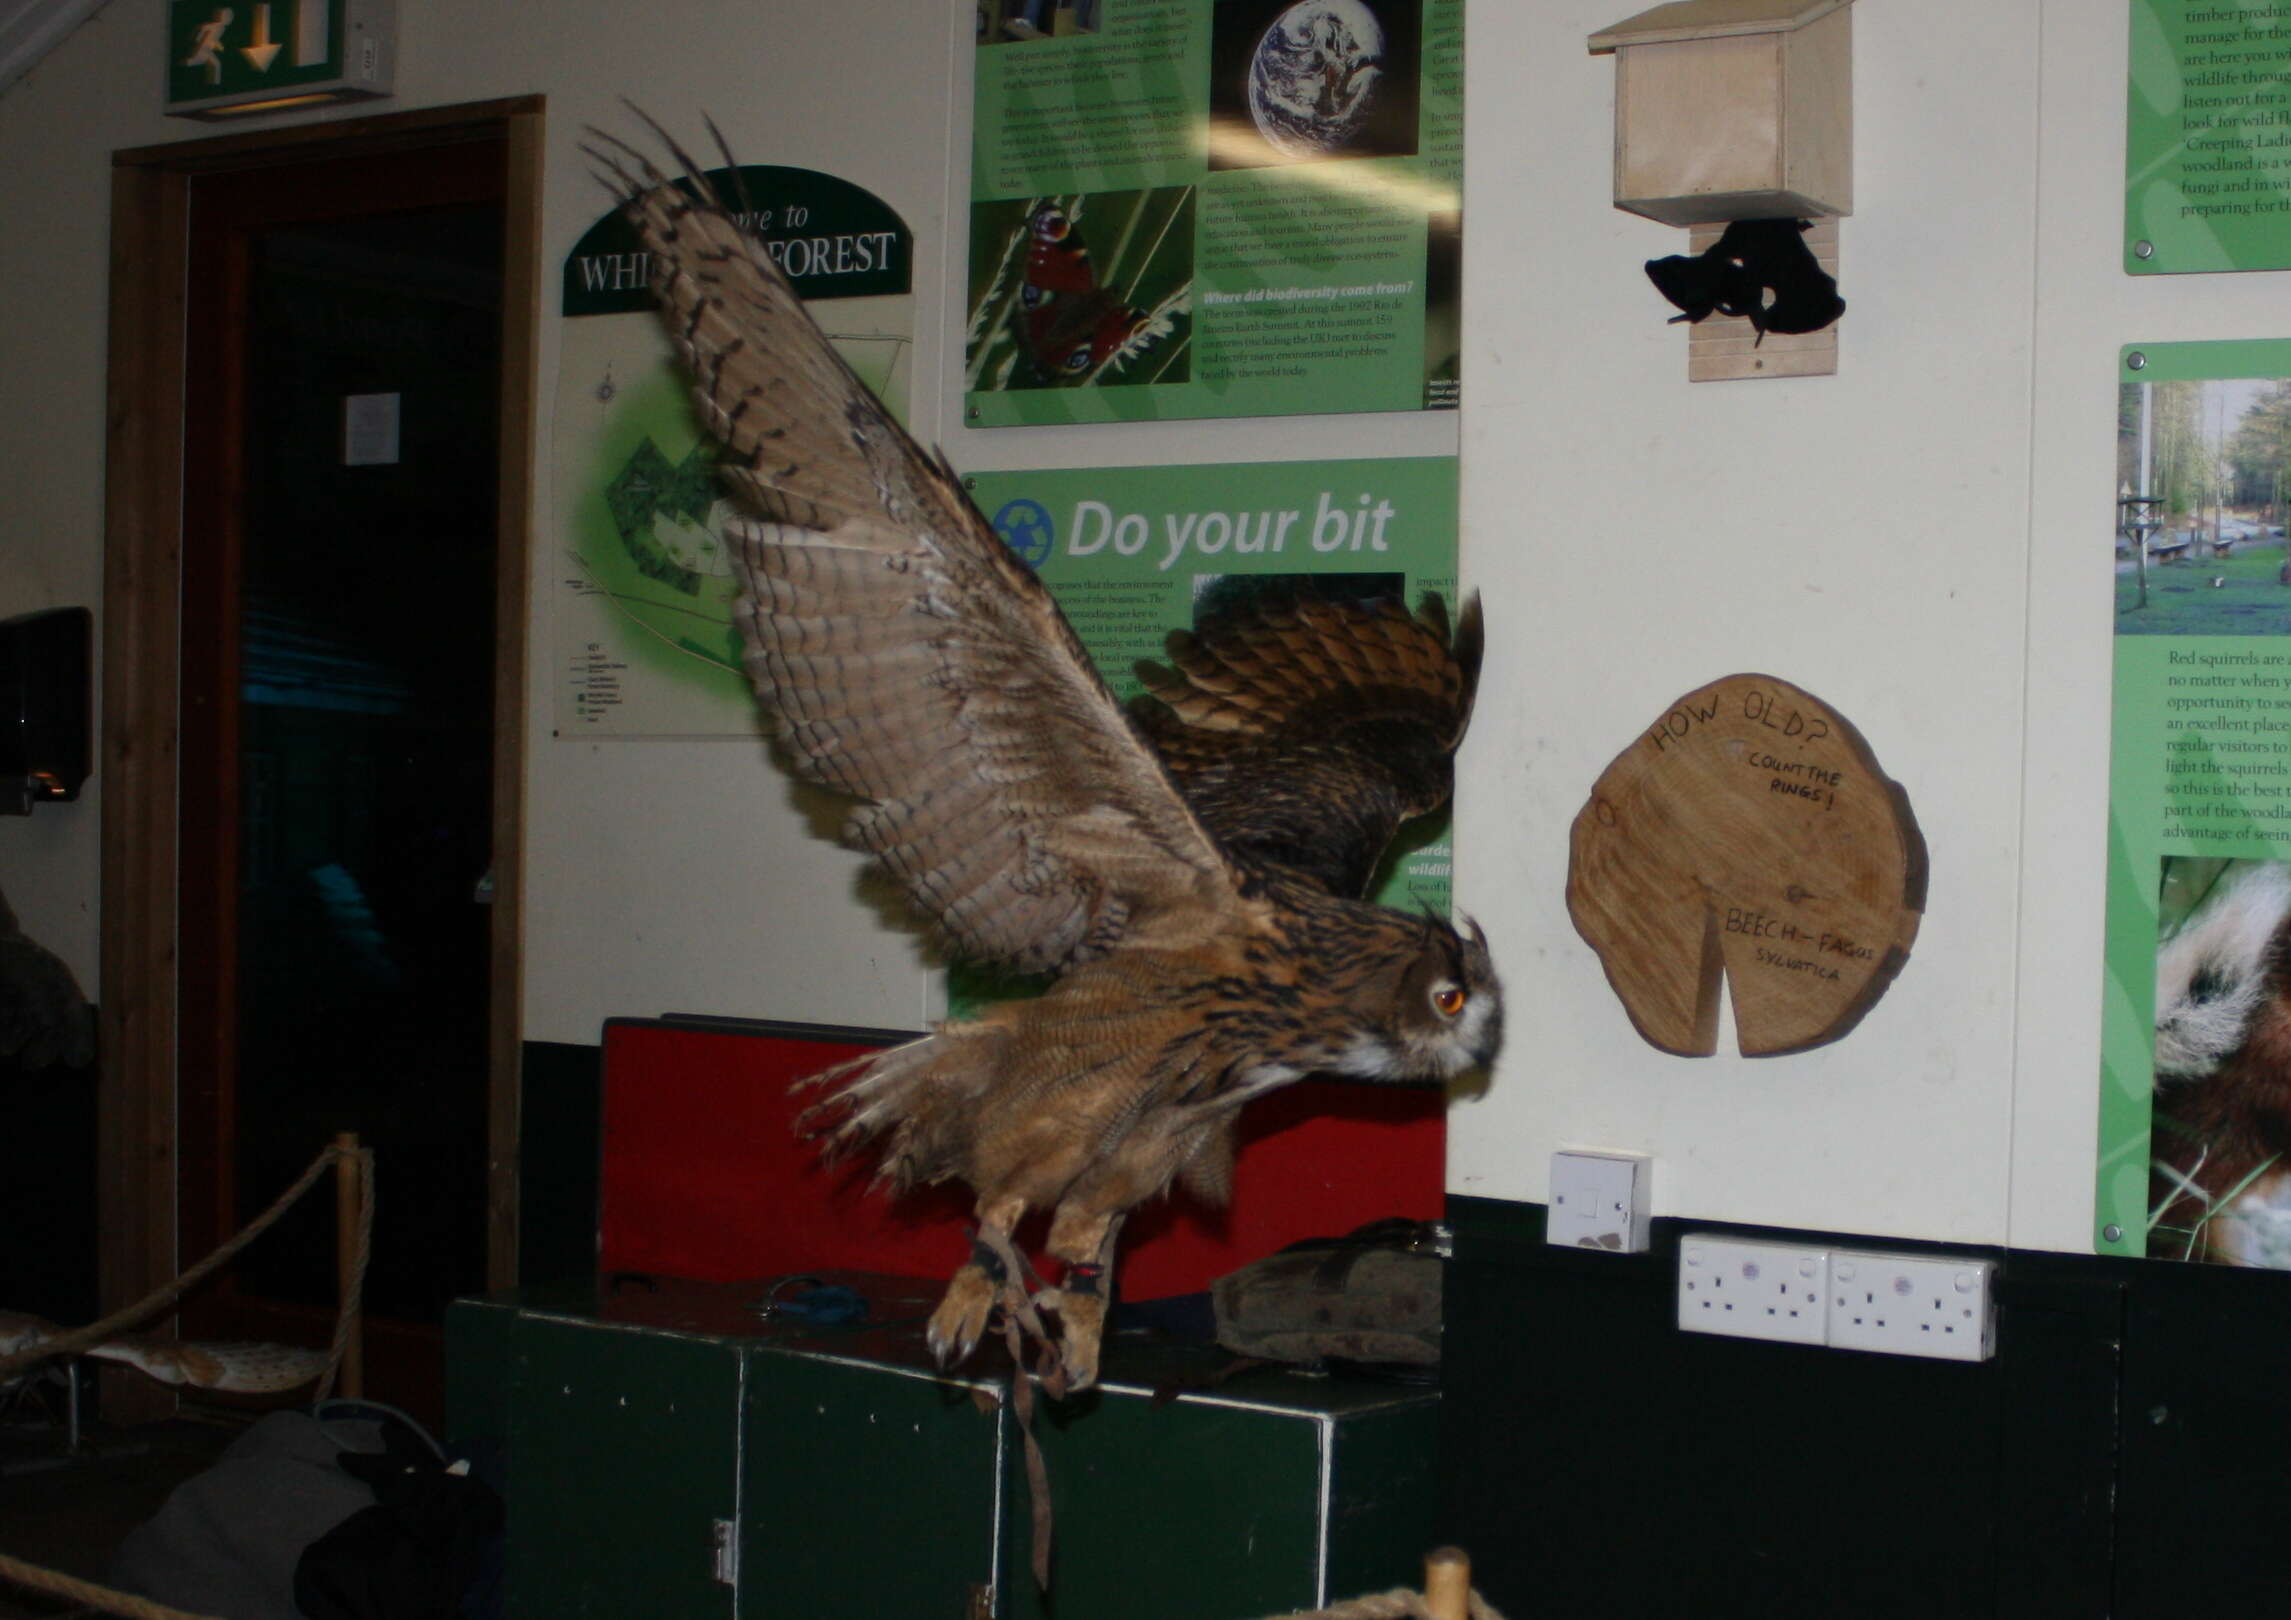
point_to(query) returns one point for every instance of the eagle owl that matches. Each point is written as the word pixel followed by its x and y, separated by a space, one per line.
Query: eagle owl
pixel 1191 871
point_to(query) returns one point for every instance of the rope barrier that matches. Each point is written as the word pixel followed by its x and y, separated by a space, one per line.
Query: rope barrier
pixel 90 1594
pixel 354 1292
pixel 95 1333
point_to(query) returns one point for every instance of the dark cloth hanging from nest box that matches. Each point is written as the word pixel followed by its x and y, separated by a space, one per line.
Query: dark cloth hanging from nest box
pixel 1760 270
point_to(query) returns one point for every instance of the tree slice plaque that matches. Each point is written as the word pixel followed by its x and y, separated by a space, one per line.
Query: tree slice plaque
pixel 1747 835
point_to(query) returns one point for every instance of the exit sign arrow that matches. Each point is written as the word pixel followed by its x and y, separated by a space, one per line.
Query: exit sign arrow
pixel 264 50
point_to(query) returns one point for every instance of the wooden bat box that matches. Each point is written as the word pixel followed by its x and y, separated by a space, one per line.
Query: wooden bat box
pixel 1733 109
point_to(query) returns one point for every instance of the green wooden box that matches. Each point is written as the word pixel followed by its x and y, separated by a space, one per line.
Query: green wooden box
pixel 670 1453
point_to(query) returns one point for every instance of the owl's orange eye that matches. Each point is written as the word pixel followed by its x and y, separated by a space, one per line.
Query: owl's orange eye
pixel 1449 1000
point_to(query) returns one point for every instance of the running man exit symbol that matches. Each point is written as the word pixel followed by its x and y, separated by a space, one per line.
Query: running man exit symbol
pixel 207 45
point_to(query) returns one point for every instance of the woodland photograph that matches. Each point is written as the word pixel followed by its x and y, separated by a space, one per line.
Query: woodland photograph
pixel 2201 473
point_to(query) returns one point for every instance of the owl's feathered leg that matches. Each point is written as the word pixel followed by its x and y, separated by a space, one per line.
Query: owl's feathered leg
pixel 1083 1238
pixel 959 1322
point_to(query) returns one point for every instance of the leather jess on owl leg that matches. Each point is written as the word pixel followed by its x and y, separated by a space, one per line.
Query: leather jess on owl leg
pixel 1084 1239
pixel 960 1320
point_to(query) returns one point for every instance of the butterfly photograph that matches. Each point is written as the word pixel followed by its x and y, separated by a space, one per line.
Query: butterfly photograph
pixel 1085 288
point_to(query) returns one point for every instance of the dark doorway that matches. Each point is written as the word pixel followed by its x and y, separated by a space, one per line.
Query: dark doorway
pixel 341 484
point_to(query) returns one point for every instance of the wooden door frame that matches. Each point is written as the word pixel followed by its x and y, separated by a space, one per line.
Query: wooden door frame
pixel 140 753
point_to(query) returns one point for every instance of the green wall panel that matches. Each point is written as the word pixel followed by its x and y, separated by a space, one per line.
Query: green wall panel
pixel 1203 1510
pixel 868 1491
pixel 623 1452
pixel 862 1485
pixel 1384 1499
pixel 480 1371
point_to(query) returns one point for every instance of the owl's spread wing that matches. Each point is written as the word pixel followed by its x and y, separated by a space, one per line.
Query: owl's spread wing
pixel 1304 732
pixel 910 660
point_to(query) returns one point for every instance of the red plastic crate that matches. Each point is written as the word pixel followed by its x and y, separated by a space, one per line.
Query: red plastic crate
pixel 703 1175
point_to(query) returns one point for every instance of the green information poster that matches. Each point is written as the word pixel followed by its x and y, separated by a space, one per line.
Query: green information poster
pixel 2207 164
pixel 1189 208
pixel 2196 1023
pixel 644 638
pixel 1133 553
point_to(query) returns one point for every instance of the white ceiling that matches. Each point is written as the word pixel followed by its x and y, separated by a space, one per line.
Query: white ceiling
pixel 29 29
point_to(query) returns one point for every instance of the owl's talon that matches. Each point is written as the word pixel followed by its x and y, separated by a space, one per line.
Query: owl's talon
pixel 1082 1323
pixel 960 1321
pixel 1081 1310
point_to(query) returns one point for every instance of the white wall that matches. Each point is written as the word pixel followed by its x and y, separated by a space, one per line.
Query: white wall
pixel 1915 540
pixel 1911 540
pixel 54 182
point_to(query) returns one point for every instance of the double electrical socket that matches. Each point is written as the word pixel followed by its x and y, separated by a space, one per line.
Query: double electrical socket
pixel 1753 1290
pixel 1849 1299
pixel 1912 1305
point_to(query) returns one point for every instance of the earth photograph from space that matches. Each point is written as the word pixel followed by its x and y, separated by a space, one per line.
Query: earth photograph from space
pixel 1302 81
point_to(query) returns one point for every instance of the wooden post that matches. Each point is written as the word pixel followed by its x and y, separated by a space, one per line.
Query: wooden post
pixel 1448 1583
pixel 143 466
pixel 349 1200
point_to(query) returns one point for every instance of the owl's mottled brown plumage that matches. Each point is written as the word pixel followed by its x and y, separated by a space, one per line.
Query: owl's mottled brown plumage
pixel 1197 898
pixel 1304 732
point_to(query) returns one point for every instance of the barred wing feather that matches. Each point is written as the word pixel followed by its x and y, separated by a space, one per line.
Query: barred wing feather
pixel 908 658
pixel 1304 732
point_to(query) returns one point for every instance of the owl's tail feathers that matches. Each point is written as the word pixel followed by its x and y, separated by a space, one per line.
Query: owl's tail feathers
pixel 915 1100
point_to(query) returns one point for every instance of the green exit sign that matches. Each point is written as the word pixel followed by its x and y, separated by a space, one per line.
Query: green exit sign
pixel 231 57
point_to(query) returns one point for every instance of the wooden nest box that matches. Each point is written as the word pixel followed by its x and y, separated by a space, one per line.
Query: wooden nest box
pixel 1733 109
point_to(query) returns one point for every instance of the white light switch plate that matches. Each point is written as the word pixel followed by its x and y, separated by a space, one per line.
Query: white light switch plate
pixel 1599 1201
